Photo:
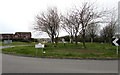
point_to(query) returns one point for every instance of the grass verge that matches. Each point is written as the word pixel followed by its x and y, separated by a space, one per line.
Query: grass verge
pixel 93 50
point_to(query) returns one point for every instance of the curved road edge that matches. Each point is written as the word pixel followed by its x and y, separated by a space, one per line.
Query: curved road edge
pixel 52 57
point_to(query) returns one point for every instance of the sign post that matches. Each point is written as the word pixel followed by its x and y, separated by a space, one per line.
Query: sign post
pixel 116 42
pixel 39 46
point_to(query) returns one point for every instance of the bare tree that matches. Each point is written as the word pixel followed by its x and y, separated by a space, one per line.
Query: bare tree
pixel 87 14
pixel 92 31
pixel 68 26
pixel 77 25
pixel 77 22
pixel 110 29
pixel 107 33
pixel 49 23
pixel 71 24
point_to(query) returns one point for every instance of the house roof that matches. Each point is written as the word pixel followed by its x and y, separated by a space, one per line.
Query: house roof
pixel 6 34
pixel 22 32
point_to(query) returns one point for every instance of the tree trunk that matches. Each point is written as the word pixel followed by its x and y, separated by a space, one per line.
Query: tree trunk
pixel 71 39
pixel 56 40
pixel 76 41
pixel 52 40
pixel 91 39
pixel 105 41
pixel 83 38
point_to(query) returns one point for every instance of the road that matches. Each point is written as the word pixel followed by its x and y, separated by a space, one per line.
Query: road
pixel 17 64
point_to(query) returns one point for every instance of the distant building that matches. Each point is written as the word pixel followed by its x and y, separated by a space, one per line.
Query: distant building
pixel 17 35
pixel 7 36
pixel 22 35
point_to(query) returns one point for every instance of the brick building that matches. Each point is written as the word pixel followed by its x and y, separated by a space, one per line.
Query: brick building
pixel 22 35
pixel 17 35
pixel 7 36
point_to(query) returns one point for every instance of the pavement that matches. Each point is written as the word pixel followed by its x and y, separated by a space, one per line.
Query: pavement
pixel 18 64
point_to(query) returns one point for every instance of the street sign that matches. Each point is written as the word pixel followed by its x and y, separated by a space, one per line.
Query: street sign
pixel 116 42
pixel 39 45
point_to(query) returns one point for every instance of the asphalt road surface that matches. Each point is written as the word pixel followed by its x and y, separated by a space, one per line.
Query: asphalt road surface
pixel 17 64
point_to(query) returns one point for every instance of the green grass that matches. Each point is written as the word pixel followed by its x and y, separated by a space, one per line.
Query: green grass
pixel 0 43
pixel 70 50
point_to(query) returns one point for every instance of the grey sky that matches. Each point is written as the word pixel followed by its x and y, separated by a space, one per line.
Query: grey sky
pixel 18 15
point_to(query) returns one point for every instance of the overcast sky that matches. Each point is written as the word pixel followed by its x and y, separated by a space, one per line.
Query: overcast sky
pixel 19 15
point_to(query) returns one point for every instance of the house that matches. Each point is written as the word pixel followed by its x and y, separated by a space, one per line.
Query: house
pixel 17 35
pixel 7 36
pixel 22 35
